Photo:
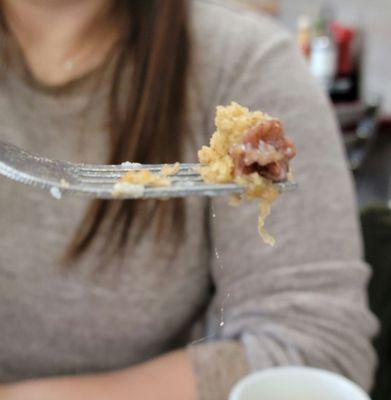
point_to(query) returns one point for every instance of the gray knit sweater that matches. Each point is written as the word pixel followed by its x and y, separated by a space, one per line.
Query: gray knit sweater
pixel 301 302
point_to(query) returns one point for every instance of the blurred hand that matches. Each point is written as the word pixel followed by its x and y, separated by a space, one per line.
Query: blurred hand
pixel 6 393
pixel 168 377
pixel 16 392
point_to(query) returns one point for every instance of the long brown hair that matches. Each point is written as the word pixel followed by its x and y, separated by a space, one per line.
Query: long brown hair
pixel 147 123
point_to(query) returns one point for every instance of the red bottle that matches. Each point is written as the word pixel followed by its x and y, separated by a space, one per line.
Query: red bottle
pixel 346 87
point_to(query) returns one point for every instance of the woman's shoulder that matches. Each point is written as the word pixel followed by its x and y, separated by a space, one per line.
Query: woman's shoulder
pixel 221 21
pixel 230 44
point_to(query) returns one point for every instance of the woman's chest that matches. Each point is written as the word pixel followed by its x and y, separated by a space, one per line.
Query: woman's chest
pixel 55 321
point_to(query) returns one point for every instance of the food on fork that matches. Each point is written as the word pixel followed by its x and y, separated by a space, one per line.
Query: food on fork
pixel 248 148
pixel 144 177
pixel 132 180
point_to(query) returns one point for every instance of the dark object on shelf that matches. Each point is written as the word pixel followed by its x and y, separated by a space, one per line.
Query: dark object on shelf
pixel 376 224
pixel 359 122
pixel 373 179
pixel 347 82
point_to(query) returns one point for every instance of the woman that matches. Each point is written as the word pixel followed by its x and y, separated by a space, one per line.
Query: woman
pixel 144 308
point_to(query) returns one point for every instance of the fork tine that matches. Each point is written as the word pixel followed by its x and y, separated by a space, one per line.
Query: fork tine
pixel 124 167
pixel 113 180
pixel 129 191
pixel 117 175
pixel 111 174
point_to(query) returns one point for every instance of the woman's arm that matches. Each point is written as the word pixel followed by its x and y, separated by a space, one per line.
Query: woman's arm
pixel 302 302
pixel 169 377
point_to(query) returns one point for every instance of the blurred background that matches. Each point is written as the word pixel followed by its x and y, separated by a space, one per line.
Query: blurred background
pixel 347 45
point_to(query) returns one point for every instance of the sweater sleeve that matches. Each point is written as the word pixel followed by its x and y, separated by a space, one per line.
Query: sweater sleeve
pixel 303 301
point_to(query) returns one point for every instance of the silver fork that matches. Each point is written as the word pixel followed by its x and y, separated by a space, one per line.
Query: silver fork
pixel 101 181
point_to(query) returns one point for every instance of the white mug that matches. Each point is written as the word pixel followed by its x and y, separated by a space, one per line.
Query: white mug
pixel 296 383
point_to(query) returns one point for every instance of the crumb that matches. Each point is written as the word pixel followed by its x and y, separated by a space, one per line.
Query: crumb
pixel 235 200
pixel 122 189
pixel 145 178
pixel 64 184
pixel 170 170
pixel 55 192
pixel 128 164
